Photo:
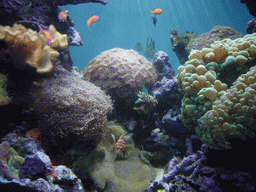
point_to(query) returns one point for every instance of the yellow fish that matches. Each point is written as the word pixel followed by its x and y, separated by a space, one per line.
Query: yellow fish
pixel 92 20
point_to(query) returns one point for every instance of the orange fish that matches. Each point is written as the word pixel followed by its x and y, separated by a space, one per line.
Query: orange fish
pixel 157 11
pixel 34 133
pixel 63 16
pixel 47 35
pixel 92 20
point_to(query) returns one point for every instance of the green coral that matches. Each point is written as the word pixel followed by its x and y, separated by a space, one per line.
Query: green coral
pixel 10 161
pixel 150 48
pixel 138 47
pixel 111 171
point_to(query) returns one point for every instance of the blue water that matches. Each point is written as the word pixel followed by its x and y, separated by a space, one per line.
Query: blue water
pixel 123 23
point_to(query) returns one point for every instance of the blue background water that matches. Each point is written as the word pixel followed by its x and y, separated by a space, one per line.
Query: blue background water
pixel 124 23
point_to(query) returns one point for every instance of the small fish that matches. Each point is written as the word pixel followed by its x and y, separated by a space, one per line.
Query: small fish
pixel 63 16
pixel 46 34
pixel 119 146
pixel 34 133
pixel 92 20
pixel 157 11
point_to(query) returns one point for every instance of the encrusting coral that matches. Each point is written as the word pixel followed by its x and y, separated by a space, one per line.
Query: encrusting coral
pixel 120 71
pixel 111 171
pixel 10 161
pixel 198 78
pixel 4 99
pixel 30 47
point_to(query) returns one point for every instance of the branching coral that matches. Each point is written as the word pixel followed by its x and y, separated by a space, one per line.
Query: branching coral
pixel 30 48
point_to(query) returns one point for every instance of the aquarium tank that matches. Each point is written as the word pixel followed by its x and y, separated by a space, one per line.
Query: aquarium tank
pixel 127 95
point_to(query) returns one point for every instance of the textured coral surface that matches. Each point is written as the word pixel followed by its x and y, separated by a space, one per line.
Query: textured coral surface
pixel 69 104
pixel 199 80
pixel 120 69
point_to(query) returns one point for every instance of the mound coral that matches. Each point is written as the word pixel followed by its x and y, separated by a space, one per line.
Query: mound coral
pixel 29 48
pixel 217 33
pixel 198 78
pixel 70 105
pixel 120 71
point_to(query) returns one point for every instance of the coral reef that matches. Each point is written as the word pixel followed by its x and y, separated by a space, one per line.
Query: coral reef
pixel 233 115
pixel 166 88
pixel 35 166
pixel 198 78
pixel 192 174
pixel 69 104
pixel 111 171
pixel 10 161
pixel 120 72
pixel 30 48
pixel 180 42
pixel 36 169
pixel 251 26
pixel 160 61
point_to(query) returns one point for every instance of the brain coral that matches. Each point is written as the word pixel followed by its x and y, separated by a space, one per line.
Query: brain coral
pixel 30 47
pixel 69 104
pixel 123 71
pixel 199 79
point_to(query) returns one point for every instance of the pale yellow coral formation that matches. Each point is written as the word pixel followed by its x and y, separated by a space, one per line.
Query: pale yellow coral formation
pixel 198 76
pixel 121 70
pixel 232 115
pixel 29 47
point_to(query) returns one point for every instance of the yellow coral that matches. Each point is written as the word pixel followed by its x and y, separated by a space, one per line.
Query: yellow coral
pixel 198 76
pixel 232 115
pixel 30 47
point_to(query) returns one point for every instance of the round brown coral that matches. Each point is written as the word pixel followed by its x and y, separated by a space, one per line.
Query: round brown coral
pixel 70 105
pixel 123 71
